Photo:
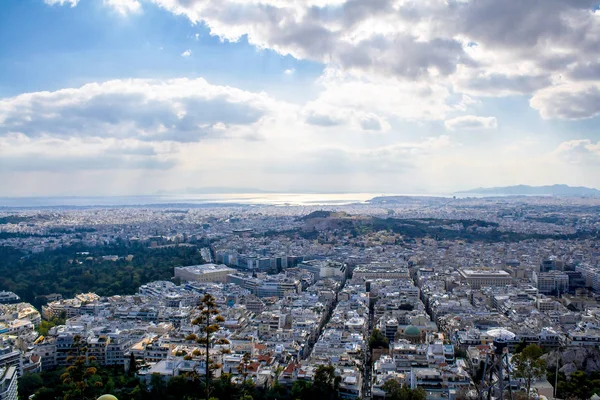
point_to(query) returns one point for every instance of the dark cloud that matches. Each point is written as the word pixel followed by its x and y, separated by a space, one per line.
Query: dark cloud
pixel 589 71
pixel 568 102
pixel 403 55
pixel 499 84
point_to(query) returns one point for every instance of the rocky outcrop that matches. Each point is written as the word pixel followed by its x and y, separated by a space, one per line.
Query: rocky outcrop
pixel 574 359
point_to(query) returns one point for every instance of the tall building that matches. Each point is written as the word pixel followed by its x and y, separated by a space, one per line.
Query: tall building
pixel 9 357
pixel 8 383
pixel 325 268
pixel 590 274
pixel 553 282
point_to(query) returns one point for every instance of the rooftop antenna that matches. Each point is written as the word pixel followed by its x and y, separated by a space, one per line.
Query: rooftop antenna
pixel 496 366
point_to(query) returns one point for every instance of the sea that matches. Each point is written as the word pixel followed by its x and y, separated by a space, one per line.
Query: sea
pixel 274 199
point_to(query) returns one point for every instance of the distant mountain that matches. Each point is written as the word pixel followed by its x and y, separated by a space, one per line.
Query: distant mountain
pixel 525 190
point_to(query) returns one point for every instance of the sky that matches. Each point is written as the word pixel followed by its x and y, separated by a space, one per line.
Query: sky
pixel 130 97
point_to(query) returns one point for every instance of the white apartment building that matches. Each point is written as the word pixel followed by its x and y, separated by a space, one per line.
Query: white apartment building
pixel 10 357
pixel 380 270
pixel 322 269
pixel 8 383
pixel 551 282
pixel 204 273
pixel 591 275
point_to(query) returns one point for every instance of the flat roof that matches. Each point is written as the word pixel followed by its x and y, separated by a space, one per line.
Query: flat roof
pixel 206 268
pixel 485 273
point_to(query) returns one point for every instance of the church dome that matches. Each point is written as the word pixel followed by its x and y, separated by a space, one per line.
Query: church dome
pixel 412 330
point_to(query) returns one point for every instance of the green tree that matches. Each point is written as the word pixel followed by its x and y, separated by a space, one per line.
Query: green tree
pixel 460 353
pixel 81 375
pixel 224 387
pixel 45 393
pixel 133 368
pixel 45 326
pixel 158 388
pixel 208 321
pixel 521 346
pixel 528 365
pixel 378 340
pixel 394 390
pixel 29 384
pixel 301 390
pixel 325 383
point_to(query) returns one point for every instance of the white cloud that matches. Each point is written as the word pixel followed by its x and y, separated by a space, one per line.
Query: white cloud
pixel 383 96
pixel 326 115
pixel 180 110
pixel 582 151
pixel 574 100
pixel 341 32
pixel 73 3
pixel 21 153
pixel 471 122
pixel 124 7
pixel 480 48
pixel 389 66
pixel 392 159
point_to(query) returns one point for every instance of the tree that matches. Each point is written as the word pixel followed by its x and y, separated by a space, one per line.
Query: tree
pixel 132 364
pixel 460 353
pixel 243 367
pixel 80 375
pixel 301 390
pixel 158 388
pixel 45 326
pixel 45 393
pixel 208 321
pixel 394 390
pixel 325 383
pixel 378 340
pixel 528 365
pixel 28 384
pixel 521 346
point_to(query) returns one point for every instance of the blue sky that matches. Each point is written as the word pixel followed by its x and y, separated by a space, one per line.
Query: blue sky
pixel 60 47
pixel 123 97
